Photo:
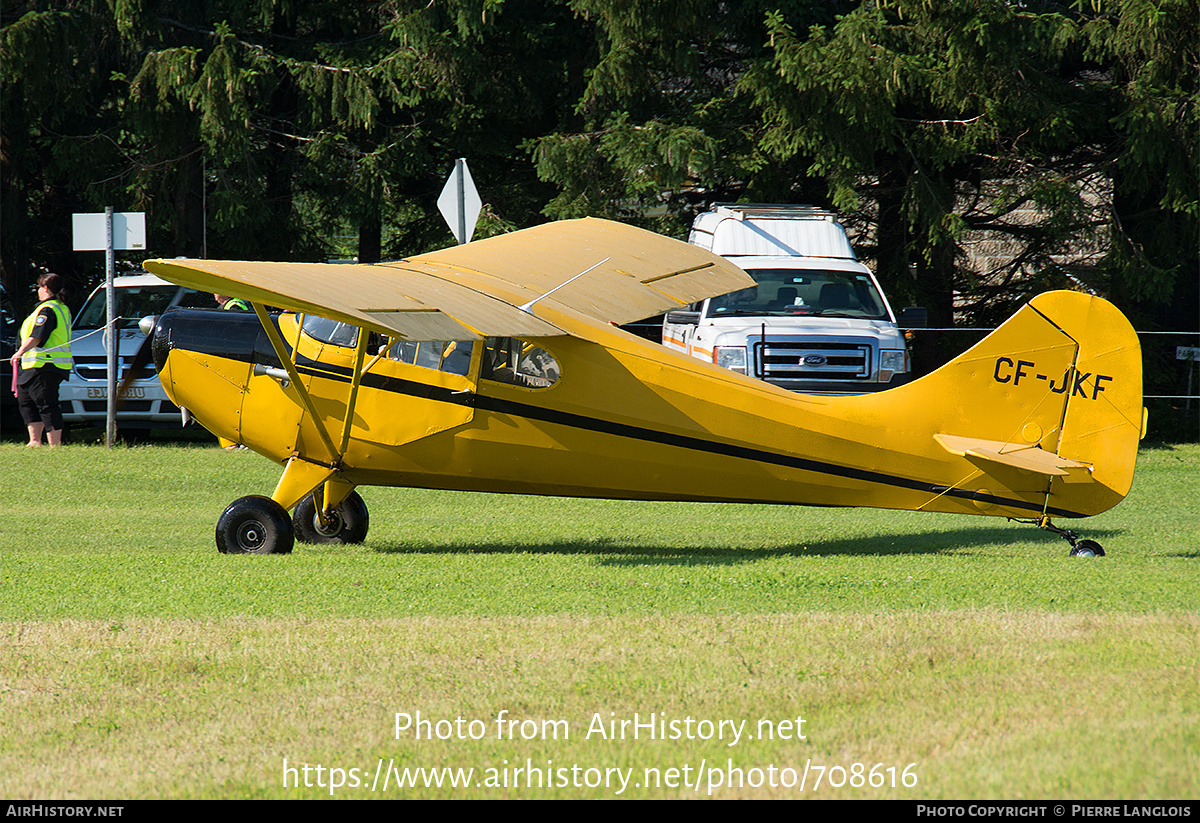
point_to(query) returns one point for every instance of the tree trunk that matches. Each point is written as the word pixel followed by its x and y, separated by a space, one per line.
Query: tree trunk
pixel 370 240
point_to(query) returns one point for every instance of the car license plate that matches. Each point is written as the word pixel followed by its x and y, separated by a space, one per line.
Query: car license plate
pixel 131 393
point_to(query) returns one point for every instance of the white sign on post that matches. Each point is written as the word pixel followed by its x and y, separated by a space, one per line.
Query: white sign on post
pixel 90 231
pixel 459 202
pixel 108 231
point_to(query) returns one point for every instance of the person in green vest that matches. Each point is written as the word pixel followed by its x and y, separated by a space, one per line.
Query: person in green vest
pixel 234 304
pixel 43 361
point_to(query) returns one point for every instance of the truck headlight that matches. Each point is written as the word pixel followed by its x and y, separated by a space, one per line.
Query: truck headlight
pixel 892 361
pixel 731 357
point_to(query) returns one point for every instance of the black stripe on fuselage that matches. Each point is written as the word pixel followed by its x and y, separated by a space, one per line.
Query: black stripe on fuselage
pixel 742 452
pixel 484 402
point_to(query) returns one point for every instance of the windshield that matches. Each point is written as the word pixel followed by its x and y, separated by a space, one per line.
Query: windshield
pixel 789 292
pixel 136 302
pixel 331 331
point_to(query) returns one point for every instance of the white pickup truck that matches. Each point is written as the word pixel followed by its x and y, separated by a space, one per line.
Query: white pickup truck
pixel 817 321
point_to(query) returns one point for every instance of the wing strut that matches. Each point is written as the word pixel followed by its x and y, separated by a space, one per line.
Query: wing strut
pixel 360 354
pixel 294 376
pixel 302 475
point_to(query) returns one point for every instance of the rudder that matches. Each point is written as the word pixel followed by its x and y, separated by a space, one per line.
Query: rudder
pixel 1104 418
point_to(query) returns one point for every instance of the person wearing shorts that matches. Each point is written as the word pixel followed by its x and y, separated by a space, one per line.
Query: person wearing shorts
pixel 43 361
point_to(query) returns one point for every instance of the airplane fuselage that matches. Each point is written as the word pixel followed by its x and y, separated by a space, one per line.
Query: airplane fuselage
pixel 621 417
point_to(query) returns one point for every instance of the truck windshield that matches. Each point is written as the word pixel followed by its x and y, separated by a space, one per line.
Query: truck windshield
pixel 790 292
pixel 134 303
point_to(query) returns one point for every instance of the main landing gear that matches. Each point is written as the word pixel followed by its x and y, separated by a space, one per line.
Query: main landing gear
pixel 259 525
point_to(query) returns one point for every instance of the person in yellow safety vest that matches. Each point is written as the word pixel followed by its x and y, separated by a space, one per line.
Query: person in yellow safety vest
pixel 230 304
pixel 43 361
pixel 235 303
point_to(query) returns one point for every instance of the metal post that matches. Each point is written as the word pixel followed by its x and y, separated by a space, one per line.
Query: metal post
pixel 1191 371
pixel 460 168
pixel 114 339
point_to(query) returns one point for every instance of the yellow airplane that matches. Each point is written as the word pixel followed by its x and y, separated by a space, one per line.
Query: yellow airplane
pixel 498 366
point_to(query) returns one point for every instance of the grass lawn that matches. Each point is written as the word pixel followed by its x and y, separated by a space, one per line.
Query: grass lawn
pixel 754 651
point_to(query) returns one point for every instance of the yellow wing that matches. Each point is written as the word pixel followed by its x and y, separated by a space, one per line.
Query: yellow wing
pixel 478 289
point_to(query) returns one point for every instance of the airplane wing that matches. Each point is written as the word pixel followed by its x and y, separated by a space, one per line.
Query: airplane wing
pixel 478 289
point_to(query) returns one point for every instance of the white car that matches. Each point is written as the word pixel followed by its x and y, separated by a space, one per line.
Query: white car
pixel 143 404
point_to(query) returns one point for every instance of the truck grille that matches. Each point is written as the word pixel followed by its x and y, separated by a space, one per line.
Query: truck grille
pixel 125 407
pixel 96 368
pixel 784 361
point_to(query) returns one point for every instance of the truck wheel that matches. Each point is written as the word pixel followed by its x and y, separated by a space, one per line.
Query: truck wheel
pixel 255 525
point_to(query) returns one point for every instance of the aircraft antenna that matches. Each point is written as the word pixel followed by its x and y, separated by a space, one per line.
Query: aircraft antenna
pixel 528 306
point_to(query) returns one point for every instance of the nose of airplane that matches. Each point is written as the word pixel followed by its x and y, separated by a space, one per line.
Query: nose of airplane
pixel 227 334
pixel 159 343
pixel 205 362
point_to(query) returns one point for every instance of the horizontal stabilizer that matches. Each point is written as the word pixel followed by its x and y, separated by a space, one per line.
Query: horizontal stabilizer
pixel 1019 456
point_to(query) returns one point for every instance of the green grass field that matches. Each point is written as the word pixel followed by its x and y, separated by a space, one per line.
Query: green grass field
pixel 928 656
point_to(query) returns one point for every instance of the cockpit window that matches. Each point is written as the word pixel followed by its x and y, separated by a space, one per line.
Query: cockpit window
pixel 453 356
pixel 519 363
pixel 331 331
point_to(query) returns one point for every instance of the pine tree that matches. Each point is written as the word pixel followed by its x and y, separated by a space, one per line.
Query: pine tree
pixel 938 119
pixel 57 126
pixel 659 129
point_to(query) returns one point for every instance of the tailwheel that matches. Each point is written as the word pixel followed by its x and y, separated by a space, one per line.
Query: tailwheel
pixel 346 523
pixel 1079 548
pixel 255 525
pixel 1087 548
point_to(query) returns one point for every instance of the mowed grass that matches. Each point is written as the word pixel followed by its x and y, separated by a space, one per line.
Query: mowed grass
pixel 970 657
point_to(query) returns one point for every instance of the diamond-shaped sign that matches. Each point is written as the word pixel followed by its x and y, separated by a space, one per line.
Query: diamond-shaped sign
pixel 459 202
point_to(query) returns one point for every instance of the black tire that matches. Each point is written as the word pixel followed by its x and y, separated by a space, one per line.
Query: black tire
pixel 349 521
pixel 255 525
pixel 1087 548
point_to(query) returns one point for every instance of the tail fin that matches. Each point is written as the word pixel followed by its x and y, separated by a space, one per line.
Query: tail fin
pixel 1047 408
pixel 1104 418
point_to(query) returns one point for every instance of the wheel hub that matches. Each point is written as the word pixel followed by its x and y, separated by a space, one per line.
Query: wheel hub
pixel 250 536
pixel 331 526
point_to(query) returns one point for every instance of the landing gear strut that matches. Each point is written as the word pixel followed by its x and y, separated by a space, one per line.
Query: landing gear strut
pixel 1079 548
